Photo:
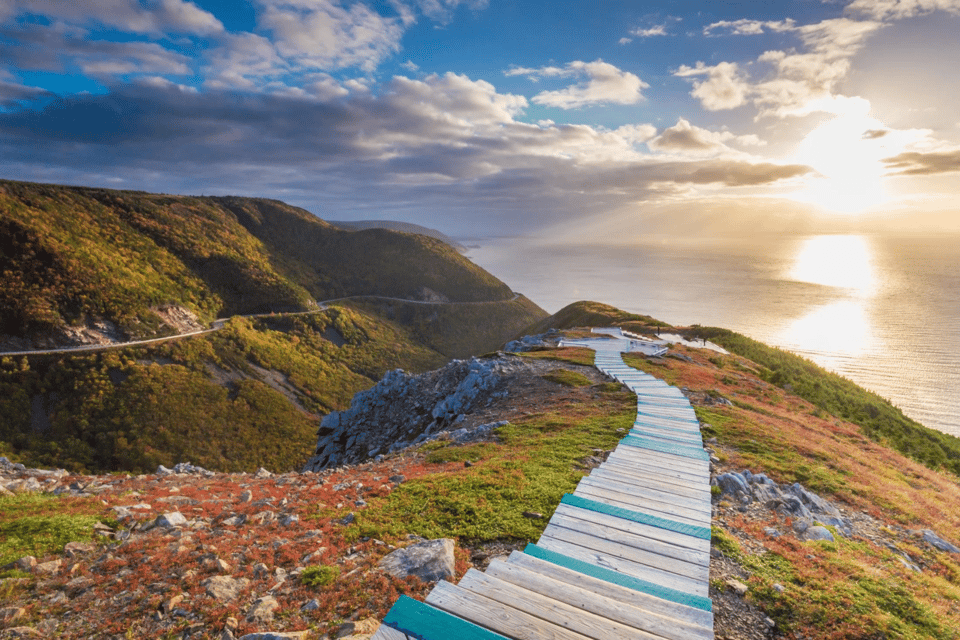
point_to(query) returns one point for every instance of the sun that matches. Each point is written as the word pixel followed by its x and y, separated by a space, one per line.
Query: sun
pixel 846 151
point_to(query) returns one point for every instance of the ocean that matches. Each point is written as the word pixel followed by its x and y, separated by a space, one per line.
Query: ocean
pixel 883 311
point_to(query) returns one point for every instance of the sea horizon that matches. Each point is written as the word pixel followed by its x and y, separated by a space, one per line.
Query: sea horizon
pixel 879 309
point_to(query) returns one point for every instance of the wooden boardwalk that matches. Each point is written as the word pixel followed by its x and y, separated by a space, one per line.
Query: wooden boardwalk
pixel 627 555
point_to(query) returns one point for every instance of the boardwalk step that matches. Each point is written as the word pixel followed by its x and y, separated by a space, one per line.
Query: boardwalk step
pixel 582 596
pixel 486 612
pixel 548 608
pixel 675 450
pixel 636 516
pixel 629 501
pixel 418 620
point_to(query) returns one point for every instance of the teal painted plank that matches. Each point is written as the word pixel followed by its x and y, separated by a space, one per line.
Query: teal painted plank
pixel 422 621
pixel 636 516
pixel 693 441
pixel 614 577
pixel 685 452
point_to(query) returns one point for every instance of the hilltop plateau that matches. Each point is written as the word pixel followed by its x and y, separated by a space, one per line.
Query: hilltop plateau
pixel 819 530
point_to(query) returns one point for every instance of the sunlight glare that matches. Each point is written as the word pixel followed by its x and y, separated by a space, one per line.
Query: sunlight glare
pixel 842 261
pixel 838 328
pixel 849 161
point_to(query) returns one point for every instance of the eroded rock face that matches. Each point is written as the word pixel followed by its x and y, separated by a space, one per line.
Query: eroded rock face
pixel 404 409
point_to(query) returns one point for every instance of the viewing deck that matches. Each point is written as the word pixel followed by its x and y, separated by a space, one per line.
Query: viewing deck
pixel 627 555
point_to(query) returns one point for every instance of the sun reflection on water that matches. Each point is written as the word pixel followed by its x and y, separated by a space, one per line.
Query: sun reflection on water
pixel 841 327
pixel 837 261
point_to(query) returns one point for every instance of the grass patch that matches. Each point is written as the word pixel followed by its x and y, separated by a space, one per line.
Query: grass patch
pixel 529 470
pixel 567 378
pixel 573 355
pixel 39 525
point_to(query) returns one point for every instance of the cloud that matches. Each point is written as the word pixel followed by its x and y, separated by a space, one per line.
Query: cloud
pixel 155 17
pixel 649 32
pixel 441 143
pixel 914 163
pixel 14 93
pixel 603 84
pixel 900 9
pixel 875 134
pixel 801 82
pixel 724 88
pixel 685 138
pixel 321 34
pixel 56 48
pixel 442 10
pixel 746 27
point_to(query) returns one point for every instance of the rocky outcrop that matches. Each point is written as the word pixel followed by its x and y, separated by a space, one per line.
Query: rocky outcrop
pixel 528 343
pixel 404 409
pixel 807 510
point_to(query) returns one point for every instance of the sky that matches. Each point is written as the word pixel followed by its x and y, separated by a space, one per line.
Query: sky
pixel 600 119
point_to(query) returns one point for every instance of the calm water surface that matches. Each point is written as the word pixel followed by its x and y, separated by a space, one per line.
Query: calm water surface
pixel 882 311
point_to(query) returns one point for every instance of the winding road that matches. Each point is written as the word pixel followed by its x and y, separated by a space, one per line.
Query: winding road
pixel 219 323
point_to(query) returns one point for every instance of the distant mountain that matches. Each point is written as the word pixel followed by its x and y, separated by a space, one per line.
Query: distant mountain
pixel 123 265
pixel 74 255
pixel 395 225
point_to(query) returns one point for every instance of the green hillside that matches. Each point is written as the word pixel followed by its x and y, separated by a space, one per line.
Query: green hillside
pixel 235 400
pixel 249 394
pixel 74 254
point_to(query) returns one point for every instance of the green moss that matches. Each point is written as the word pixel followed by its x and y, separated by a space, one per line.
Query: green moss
pixel 567 378
pixel 29 525
pixel 319 576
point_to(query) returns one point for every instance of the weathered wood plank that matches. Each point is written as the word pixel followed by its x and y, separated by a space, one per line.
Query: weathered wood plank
pixel 389 633
pixel 493 615
pixel 668 569
pixel 643 495
pixel 623 565
pixel 603 599
pixel 667 437
pixel 656 600
pixel 548 608
pixel 688 466
pixel 669 551
pixel 699 495
pixel 637 474
pixel 639 502
pixel 624 501
pixel 679 540
pixel 425 622
pixel 693 470
pixel 651 465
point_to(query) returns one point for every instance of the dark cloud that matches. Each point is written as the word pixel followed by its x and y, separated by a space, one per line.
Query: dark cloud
pixel 919 164
pixel 440 150
pixel 875 134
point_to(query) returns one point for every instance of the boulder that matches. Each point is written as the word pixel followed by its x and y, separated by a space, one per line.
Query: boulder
pixel 430 561
pixel 224 589
pixel 932 538
pixel 262 610
pixel 819 533
pixel 170 520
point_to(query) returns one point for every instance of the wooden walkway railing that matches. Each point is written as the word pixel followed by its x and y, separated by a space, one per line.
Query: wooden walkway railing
pixel 627 555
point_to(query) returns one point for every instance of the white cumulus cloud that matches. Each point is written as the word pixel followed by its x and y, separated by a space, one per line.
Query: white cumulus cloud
pixel 602 83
